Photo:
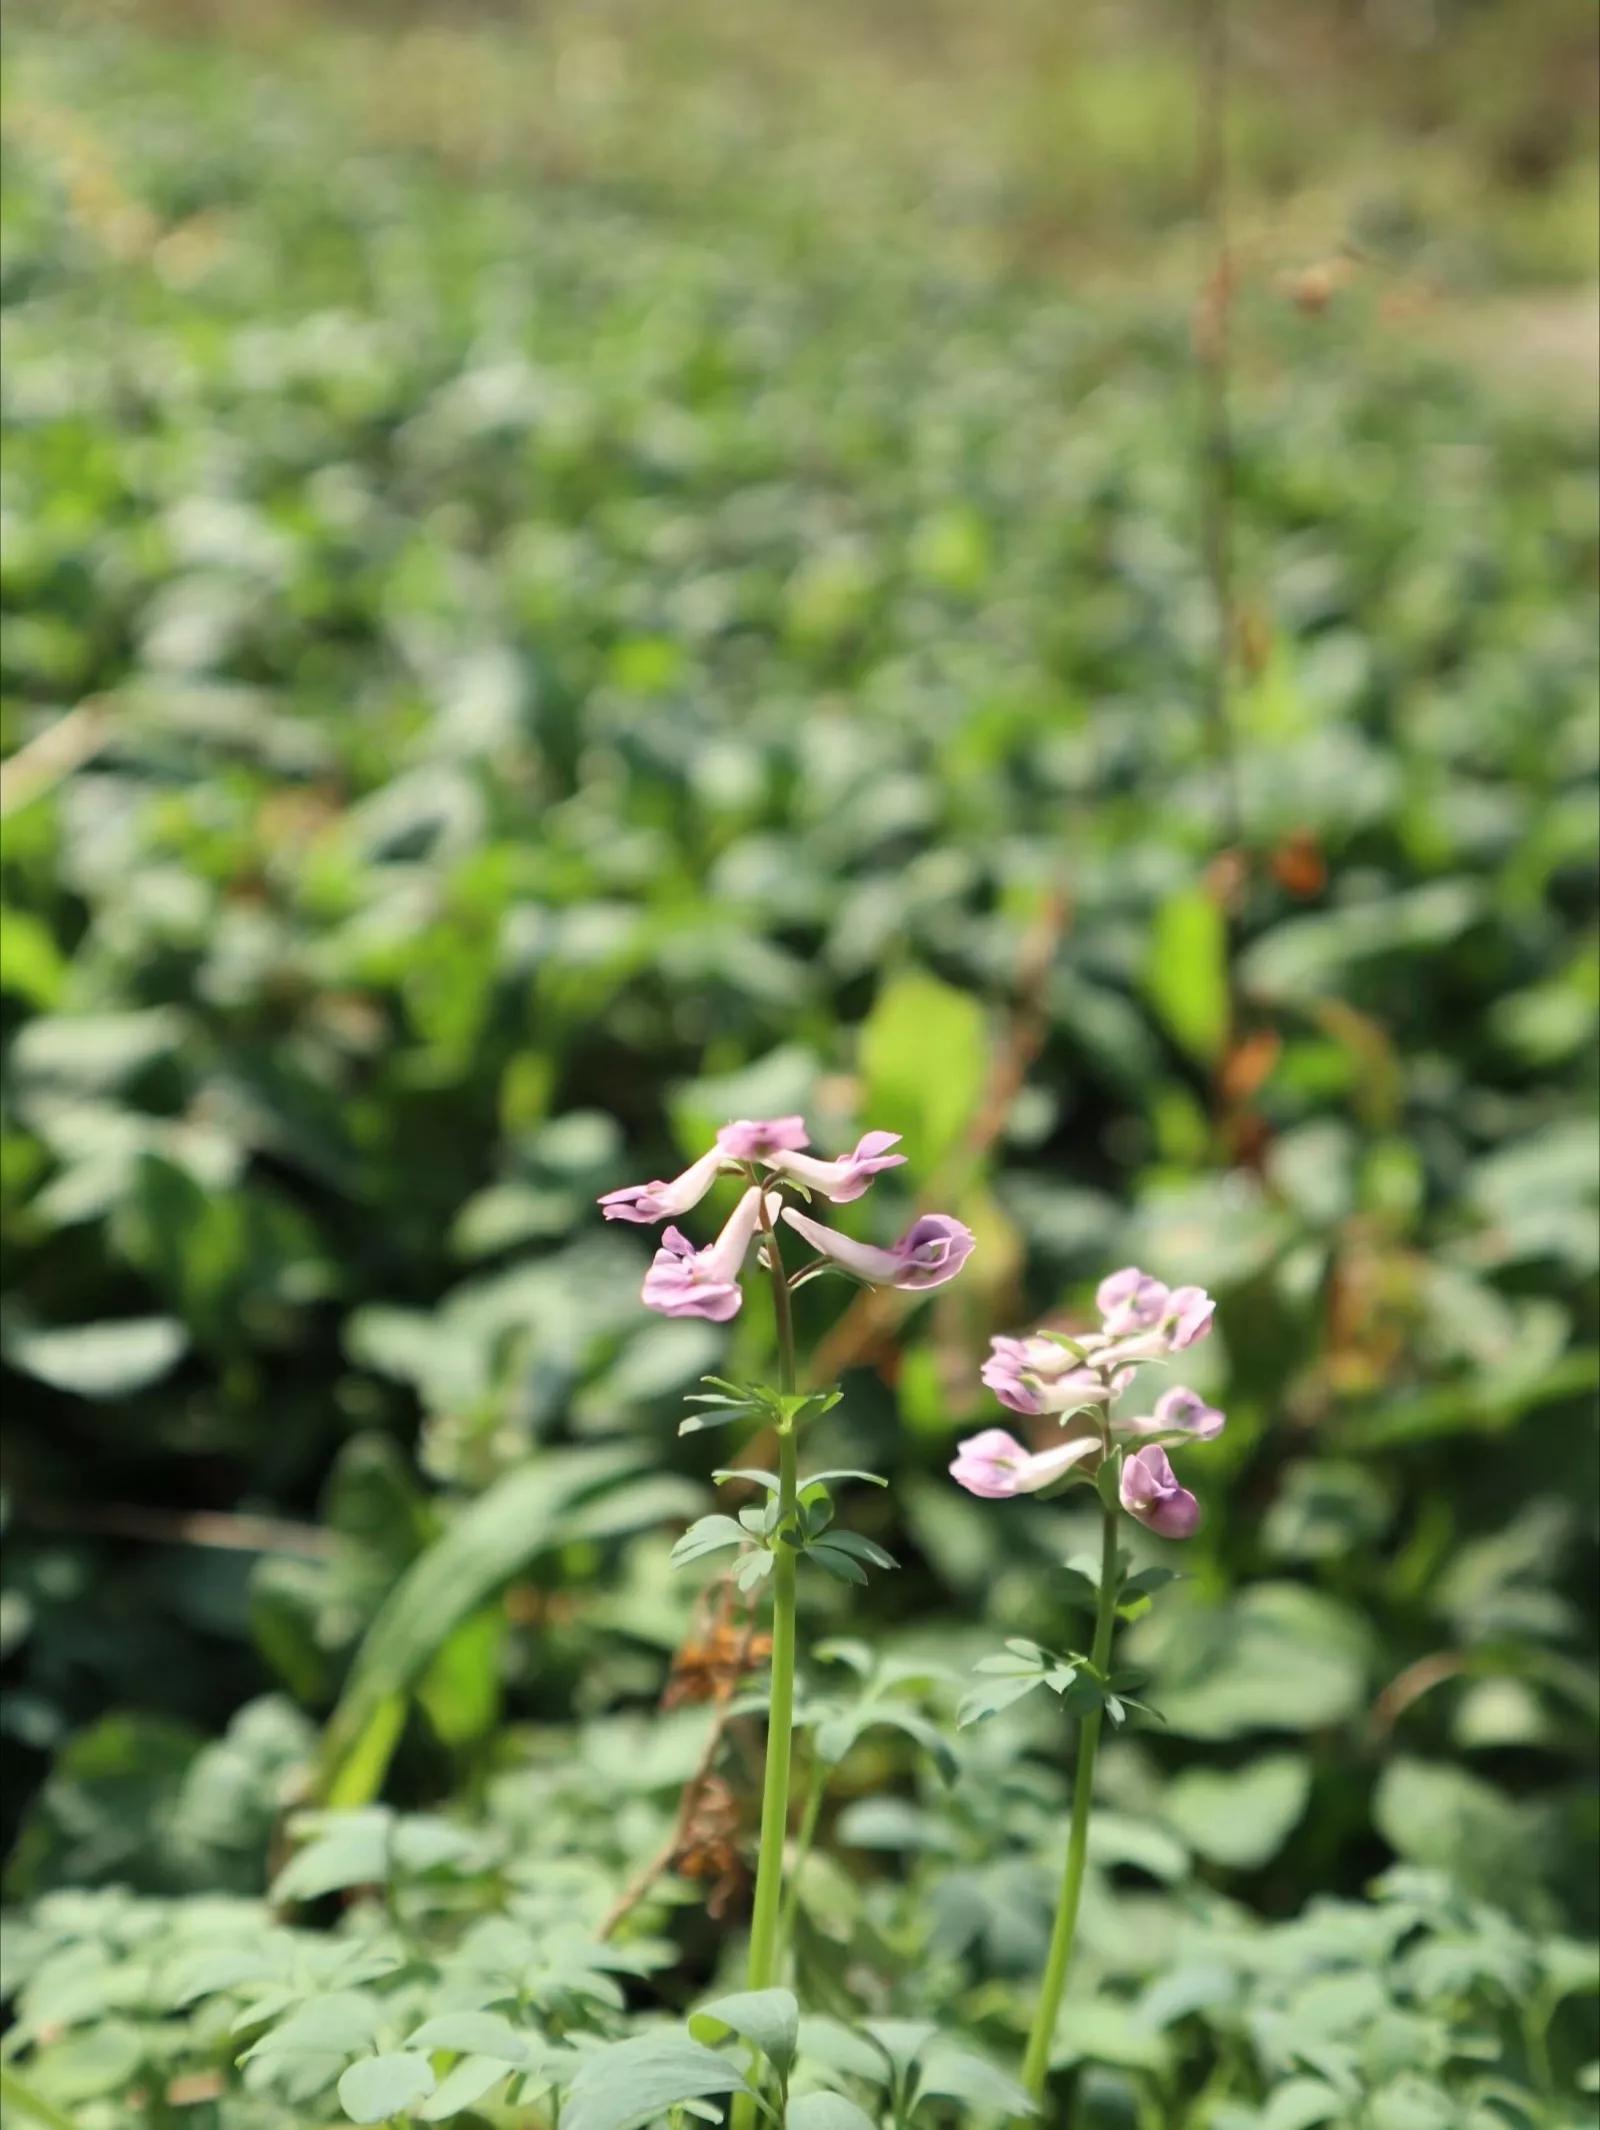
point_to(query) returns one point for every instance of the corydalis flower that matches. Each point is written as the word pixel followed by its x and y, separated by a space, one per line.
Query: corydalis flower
pixel 1150 1492
pixel 1040 1375
pixel 995 1465
pixel 1188 1317
pixel 932 1250
pixel 848 1176
pixel 1130 1300
pixel 646 1203
pixel 747 1140
pixel 1178 1411
pixel 1142 1320
pixel 684 1281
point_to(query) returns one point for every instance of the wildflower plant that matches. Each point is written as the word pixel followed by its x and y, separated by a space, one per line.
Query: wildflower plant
pixel 795 1520
pixel 1084 1383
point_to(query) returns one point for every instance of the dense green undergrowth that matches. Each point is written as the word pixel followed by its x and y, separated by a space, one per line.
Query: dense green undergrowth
pixel 547 666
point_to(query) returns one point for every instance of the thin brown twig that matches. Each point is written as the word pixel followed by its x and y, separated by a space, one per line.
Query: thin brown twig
pixel 54 755
pixel 1410 1685
pixel 694 1789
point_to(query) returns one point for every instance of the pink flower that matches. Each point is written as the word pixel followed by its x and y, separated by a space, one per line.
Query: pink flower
pixel 995 1465
pixel 1143 1320
pixel 1150 1492
pixel 1188 1316
pixel 1039 1375
pixel 1130 1300
pixel 647 1202
pixel 1178 1411
pixel 932 1250
pixel 744 1140
pixel 849 1176
pixel 684 1281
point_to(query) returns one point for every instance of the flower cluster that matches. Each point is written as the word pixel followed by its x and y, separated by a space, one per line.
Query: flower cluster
pixel 1140 1320
pixel 685 1281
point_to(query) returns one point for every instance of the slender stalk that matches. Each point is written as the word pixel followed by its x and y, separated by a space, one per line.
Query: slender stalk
pixel 775 1790
pixel 810 1812
pixel 1036 2064
pixel 766 1913
pixel 1213 348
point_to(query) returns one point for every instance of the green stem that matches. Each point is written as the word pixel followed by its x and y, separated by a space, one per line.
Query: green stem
pixel 766 1913
pixel 775 1789
pixel 1536 2036
pixel 810 1812
pixel 1036 2064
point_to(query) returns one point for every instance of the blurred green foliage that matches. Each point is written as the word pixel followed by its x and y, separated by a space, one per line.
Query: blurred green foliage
pixel 535 621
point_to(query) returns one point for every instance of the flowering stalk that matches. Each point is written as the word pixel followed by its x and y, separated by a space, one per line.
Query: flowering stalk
pixel 796 1517
pixel 766 1913
pixel 1052 1987
pixel 1071 1378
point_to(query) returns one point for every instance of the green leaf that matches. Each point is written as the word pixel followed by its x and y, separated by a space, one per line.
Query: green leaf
pixel 31 964
pixel 916 1018
pixel 842 2048
pixel 953 2074
pixel 1018 1660
pixel 717 1415
pixel 356 1851
pixel 1149 1580
pixel 768 2019
pixel 557 1496
pixel 301 2056
pixel 1078 1588
pixel 710 1535
pixel 862 1549
pixel 1300 2104
pixel 921 1731
pixel 95 2062
pixel 1451 1819
pixel 18 2094
pixel 1186 975
pixel 816 1512
pixel 1106 2030
pixel 1277 1657
pixel 359 1774
pixel 111 1360
pixel 1240 1817
pixel 836 1562
pixel 1410 2103
pixel 827 2111
pixel 93 1053
pixel 993 1696
pixel 754 1568
pixel 626 2085
pixel 460 1689
pixel 462 2085
pixel 1307 956
pixel 380 2086
pixel 471 2033
pixel 903 2041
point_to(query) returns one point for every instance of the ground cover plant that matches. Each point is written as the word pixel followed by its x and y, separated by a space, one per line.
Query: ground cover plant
pixel 568 582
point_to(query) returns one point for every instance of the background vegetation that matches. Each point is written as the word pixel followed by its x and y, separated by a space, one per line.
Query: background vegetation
pixel 571 574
